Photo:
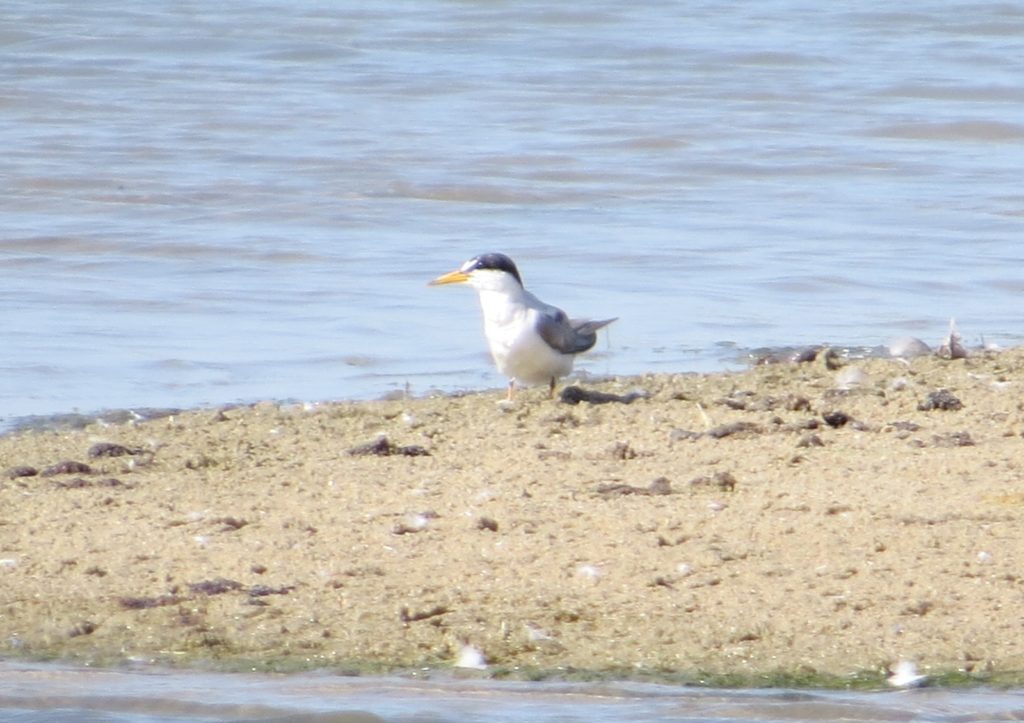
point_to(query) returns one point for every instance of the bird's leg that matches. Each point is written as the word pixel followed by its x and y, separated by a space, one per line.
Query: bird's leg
pixel 551 388
pixel 511 387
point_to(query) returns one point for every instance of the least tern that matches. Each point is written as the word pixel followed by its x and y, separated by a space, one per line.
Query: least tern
pixel 531 342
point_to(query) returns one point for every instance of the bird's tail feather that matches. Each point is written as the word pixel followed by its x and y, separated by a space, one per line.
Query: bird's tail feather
pixel 588 326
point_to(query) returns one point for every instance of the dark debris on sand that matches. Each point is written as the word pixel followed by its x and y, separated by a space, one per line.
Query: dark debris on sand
pixel 575 395
pixel 941 399
pixel 384 447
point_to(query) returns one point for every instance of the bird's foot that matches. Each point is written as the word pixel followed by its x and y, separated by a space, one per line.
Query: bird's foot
pixel 508 402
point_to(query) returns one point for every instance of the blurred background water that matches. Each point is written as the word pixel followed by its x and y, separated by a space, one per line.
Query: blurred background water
pixel 209 203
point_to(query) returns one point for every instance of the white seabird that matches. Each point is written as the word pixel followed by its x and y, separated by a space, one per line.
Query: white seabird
pixel 531 342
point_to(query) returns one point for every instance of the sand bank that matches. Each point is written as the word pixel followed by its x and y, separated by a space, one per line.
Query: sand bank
pixel 740 523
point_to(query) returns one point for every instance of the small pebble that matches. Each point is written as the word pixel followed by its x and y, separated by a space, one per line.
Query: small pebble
pixel 850 377
pixel 941 399
pixel 535 634
pixel 836 419
pixel 108 449
pixel 472 658
pixel 951 347
pixel 66 467
pixel 906 676
pixel 908 347
pixel 486 523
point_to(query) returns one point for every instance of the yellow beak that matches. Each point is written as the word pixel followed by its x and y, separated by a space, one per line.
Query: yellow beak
pixel 455 277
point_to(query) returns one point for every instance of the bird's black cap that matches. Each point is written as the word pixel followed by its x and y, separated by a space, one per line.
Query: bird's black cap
pixel 495 262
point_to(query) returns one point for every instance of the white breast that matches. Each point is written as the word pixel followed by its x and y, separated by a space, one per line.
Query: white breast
pixel 518 351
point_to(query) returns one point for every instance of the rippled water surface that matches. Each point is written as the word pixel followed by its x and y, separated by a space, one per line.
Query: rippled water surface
pixel 39 693
pixel 205 203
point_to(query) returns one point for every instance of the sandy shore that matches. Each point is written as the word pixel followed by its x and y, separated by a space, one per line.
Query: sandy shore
pixel 750 523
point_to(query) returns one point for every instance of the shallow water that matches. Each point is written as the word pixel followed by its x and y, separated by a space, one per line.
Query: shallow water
pixel 31 693
pixel 205 204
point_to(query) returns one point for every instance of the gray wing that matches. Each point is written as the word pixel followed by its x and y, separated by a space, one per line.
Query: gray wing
pixel 568 336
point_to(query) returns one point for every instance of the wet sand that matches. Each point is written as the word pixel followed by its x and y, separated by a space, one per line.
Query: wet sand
pixel 755 523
